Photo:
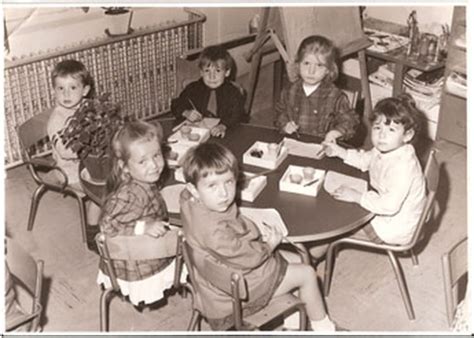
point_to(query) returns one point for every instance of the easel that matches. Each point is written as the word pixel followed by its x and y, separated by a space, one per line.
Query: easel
pixel 286 27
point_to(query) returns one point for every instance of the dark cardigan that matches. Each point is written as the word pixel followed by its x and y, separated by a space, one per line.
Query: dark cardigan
pixel 230 102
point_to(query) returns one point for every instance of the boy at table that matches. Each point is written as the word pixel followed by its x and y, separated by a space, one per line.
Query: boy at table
pixel 214 227
pixel 395 173
pixel 213 95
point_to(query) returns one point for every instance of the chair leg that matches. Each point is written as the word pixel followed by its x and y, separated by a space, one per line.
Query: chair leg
pixel 82 212
pixel 104 310
pixel 34 205
pixel 329 267
pixel 303 318
pixel 195 322
pixel 414 257
pixel 402 285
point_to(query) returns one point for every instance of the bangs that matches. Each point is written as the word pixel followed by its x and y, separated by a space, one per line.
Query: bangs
pixel 208 63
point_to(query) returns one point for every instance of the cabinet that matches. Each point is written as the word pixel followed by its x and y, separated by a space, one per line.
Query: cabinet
pixel 453 125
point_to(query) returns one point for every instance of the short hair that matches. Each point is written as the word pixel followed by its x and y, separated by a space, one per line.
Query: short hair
pixel 120 146
pixel 320 45
pixel 77 70
pixel 208 158
pixel 401 109
pixel 212 55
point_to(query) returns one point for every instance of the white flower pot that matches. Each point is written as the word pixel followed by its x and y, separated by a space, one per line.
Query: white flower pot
pixel 119 23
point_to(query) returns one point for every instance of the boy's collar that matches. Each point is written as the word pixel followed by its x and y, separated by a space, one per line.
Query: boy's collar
pixel 404 148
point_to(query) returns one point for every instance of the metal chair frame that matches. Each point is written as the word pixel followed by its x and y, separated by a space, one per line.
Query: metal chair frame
pixel 134 248
pixel 431 174
pixel 454 263
pixel 29 273
pixel 232 282
pixel 32 133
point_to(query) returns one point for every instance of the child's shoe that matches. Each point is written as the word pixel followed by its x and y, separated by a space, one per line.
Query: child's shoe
pixel 292 322
pixel 325 324
pixel 91 232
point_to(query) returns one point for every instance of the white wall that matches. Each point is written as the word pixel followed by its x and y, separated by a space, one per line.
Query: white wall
pixel 39 29
pixel 36 30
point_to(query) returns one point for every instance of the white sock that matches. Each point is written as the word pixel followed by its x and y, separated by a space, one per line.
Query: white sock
pixel 325 324
pixel 292 322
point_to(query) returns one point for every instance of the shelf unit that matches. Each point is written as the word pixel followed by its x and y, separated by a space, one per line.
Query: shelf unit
pixel 453 125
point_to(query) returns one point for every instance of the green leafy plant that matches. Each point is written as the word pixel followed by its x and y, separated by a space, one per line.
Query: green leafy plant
pixel 90 129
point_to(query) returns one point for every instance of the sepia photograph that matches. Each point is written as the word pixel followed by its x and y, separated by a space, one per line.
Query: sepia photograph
pixel 176 168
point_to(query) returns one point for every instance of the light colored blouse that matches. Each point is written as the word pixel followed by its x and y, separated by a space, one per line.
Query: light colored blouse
pixel 65 158
pixel 398 193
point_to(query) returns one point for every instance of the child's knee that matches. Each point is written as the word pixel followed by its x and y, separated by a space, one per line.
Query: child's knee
pixel 309 273
pixel 318 251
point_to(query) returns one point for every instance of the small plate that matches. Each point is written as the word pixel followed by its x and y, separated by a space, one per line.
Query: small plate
pixel 87 177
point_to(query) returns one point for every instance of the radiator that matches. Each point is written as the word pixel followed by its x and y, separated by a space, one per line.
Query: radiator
pixel 138 70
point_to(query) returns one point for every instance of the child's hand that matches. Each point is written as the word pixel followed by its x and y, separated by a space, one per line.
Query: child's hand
pixel 333 149
pixel 347 194
pixel 156 228
pixel 291 127
pixel 192 115
pixel 219 130
pixel 332 136
pixel 274 238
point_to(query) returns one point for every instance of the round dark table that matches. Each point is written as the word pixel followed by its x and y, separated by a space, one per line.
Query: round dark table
pixel 307 218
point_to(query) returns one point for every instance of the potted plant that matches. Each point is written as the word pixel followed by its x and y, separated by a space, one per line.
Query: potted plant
pixel 119 20
pixel 89 131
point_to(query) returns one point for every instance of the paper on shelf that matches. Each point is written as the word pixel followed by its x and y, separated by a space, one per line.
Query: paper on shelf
pixel 270 216
pixel 334 180
pixel 171 194
pixel 304 149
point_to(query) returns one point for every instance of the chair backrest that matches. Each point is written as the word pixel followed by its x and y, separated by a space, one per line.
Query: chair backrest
pixel 30 274
pixel 352 96
pixel 431 174
pixel 186 72
pixel 221 276
pixel 131 248
pixel 34 131
pixel 454 265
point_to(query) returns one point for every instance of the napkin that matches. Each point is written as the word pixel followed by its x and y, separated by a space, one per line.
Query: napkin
pixel 270 216
pixel 334 180
pixel 303 149
pixel 207 122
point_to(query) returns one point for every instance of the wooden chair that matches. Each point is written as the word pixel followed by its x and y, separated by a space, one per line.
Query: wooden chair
pixel 33 133
pixel 454 264
pixel 29 274
pixel 233 283
pixel 134 248
pixel 431 174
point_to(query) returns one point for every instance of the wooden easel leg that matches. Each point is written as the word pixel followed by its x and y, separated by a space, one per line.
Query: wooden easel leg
pixel 364 79
pixel 277 80
pixel 252 84
pixel 256 55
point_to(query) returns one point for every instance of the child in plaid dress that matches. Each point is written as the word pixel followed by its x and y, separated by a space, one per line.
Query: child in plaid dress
pixel 313 104
pixel 135 207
